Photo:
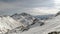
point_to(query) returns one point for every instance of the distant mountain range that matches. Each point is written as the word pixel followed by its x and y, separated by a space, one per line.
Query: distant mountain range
pixel 45 17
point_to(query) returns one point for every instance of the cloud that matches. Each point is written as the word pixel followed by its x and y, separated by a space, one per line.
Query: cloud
pixel 32 11
pixel 30 6
pixel 7 0
pixel 30 3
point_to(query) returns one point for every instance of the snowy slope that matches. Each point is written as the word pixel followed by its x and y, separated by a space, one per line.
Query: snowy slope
pixel 50 25
pixel 18 22
pixel 8 23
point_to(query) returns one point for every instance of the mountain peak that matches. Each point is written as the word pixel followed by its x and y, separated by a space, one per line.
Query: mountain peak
pixel 26 19
pixel 24 14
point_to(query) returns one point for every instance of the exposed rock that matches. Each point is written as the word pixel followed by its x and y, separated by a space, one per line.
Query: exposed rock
pixel 54 32
pixel 58 13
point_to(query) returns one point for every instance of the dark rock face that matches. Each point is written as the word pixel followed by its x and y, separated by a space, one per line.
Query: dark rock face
pixel 38 21
pixel 58 13
pixel 54 32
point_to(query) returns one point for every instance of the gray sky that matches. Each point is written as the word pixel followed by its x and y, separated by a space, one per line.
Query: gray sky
pixel 29 6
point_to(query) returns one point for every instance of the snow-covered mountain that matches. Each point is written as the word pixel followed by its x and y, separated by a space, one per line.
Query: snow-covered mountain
pixel 25 23
pixel 50 25
pixel 27 19
pixel 18 22
pixel 24 18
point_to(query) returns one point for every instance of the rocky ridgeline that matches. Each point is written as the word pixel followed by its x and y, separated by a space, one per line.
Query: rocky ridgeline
pixel 27 19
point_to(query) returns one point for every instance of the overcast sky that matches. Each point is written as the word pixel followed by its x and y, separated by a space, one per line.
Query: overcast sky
pixel 29 6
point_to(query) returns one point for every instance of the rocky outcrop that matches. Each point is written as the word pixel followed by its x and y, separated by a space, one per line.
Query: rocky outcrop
pixel 58 13
pixel 54 32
